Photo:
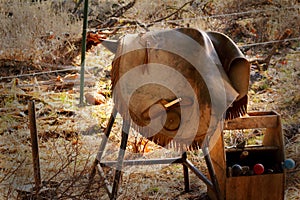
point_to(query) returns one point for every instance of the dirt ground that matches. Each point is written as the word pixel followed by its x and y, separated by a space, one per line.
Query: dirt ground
pixel 69 135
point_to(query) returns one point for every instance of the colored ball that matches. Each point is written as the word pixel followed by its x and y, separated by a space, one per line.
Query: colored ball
pixel 258 169
pixel 289 163
pixel 236 170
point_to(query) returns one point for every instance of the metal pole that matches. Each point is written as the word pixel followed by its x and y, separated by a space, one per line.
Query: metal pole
pixel 34 146
pixel 83 50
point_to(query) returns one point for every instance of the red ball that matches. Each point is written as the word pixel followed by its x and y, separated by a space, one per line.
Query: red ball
pixel 258 169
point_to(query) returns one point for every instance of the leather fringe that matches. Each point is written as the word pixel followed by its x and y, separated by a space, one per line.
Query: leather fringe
pixel 237 109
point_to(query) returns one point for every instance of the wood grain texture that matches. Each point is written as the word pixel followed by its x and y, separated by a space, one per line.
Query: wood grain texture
pixel 271 153
pixel 254 120
pixel 260 187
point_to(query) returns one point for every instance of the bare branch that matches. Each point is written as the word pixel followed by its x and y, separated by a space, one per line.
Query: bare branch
pixel 170 15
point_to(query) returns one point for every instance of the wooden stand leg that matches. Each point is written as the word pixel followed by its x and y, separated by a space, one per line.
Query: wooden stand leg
pixel 125 132
pixel 212 173
pixel 106 134
pixel 102 146
pixel 113 191
pixel 185 173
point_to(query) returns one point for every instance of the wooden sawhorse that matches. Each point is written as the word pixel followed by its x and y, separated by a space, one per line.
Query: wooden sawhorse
pixel 112 191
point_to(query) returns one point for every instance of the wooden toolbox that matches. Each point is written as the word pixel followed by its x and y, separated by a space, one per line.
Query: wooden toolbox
pixel 270 153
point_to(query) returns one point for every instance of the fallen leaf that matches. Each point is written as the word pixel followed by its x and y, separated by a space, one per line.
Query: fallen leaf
pixel 94 98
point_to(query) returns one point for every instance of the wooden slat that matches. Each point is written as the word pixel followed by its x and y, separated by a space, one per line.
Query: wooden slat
pixel 253 148
pixel 274 137
pixel 261 113
pixel 217 153
pixel 268 186
pixel 144 162
pixel 107 186
pixel 254 120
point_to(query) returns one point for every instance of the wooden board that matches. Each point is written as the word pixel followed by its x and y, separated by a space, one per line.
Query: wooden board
pixel 274 137
pixel 253 120
pixel 217 153
pixel 268 186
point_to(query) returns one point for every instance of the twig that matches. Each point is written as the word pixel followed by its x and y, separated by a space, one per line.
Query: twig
pixel 263 64
pixel 293 171
pixel 63 167
pixel 77 178
pixel 132 22
pixel 123 9
pixel 267 60
pixel 145 145
pixel 77 6
pixel 5 110
pixel 60 170
pixel 14 63
pixel 11 172
pixel 113 18
pixel 170 15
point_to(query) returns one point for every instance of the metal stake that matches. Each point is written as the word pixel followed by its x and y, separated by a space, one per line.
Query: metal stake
pixel 83 50
pixel 34 146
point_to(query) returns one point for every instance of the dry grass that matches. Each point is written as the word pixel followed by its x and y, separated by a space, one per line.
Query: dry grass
pixel 33 32
pixel 68 144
